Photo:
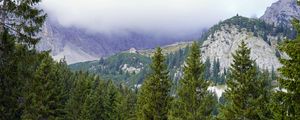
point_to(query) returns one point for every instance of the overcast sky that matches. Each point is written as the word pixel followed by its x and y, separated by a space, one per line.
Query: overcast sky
pixel 165 16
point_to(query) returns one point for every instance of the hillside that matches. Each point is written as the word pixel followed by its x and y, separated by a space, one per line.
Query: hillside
pixel 122 67
pixel 131 68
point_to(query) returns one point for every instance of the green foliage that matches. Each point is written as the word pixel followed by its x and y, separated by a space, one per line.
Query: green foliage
pixel 215 71
pixel 286 104
pixel 194 101
pixel 207 71
pixel 10 76
pixel 111 68
pixel 246 93
pixel 128 103
pixel 154 95
pixel 82 86
pixel 102 103
pixel 44 94
pixel 19 23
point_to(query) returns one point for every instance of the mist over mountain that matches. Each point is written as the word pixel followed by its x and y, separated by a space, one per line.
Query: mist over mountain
pixel 87 30
pixel 77 44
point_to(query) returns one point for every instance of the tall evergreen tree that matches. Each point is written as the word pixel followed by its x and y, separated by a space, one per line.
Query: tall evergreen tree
pixel 207 72
pixel 194 102
pixel 286 102
pixel 81 88
pixel 245 93
pixel 20 20
pixel 154 96
pixel 128 103
pixel 9 78
pixel 273 74
pixel 44 93
pixel 102 103
pixel 215 71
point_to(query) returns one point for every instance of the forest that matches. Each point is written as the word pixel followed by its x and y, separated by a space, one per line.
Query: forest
pixel 35 87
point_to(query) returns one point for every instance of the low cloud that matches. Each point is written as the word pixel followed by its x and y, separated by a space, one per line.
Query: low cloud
pixel 161 16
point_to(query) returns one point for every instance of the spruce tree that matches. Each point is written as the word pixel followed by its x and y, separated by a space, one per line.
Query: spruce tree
pixel 207 72
pixel 154 95
pixel 286 102
pixel 20 20
pixel 102 103
pixel 245 92
pixel 10 84
pixel 81 88
pixel 215 71
pixel 128 103
pixel 194 102
pixel 44 94
pixel 114 102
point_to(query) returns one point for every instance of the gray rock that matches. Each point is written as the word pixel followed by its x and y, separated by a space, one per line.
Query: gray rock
pixel 224 42
pixel 282 12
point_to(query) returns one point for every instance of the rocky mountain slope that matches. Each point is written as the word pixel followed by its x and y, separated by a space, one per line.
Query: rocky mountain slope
pixel 226 36
pixel 77 44
pixel 281 13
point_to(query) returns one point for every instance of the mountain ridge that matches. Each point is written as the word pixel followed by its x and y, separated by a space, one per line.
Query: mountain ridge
pixel 85 45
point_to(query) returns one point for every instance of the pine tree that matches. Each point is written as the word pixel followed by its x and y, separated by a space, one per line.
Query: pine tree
pixel 245 93
pixel 194 102
pixel 128 103
pixel 10 84
pixel 81 88
pixel 215 71
pixel 154 98
pixel 19 22
pixel 44 94
pixel 286 102
pixel 273 74
pixel 102 103
pixel 207 72
pixel 114 102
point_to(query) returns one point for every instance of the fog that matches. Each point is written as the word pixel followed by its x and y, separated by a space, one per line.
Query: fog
pixel 158 16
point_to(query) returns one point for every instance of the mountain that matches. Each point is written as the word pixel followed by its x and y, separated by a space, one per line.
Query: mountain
pixel 78 44
pixel 217 46
pixel 281 13
pixel 224 38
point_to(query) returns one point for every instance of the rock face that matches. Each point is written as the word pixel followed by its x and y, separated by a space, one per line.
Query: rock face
pixel 281 12
pixel 225 41
pixel 78 45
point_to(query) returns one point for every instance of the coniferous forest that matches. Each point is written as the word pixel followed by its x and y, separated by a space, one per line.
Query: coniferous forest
pixel 33 86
